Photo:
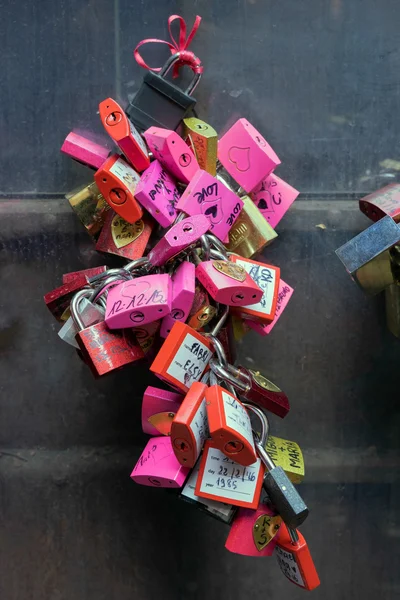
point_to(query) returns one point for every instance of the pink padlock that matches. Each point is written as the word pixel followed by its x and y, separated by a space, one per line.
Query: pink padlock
pixel 254 532
pixel 284 294
pixel 172 152
pixel 183 291
pixel 207 196
pixel 158 194
pixel 181 235
pixel 228 283
pixel 273 198
pixel 246 155
pixel 158 403
pixel 138 301
pixel 84 151
pixel 158 465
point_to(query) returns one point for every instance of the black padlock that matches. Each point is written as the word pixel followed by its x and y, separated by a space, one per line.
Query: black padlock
pixel 160 103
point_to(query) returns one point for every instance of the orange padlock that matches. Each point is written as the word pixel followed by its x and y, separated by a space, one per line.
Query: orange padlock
pixel 230 426
pixel 183 357
pixel 189 429
pixel 121 130
pixel 117 182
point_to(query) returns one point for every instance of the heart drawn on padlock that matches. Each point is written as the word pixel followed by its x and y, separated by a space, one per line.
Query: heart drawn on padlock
pixel 266 204
pixel 265 529
pixel 240 157
pixel 124 233
pixel 212 209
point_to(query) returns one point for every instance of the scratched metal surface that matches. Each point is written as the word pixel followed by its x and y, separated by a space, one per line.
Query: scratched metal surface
pixel 321 81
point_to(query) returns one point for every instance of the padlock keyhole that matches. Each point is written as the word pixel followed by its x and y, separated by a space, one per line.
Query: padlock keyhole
pixel 233 447
pixel 187 229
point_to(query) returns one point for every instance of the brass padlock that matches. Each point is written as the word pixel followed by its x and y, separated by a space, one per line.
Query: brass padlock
pixel 250 233
pixel 203 140
pixel 288 455
pixel 90 208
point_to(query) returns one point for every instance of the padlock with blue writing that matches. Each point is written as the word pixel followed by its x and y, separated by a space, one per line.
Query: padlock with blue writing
pixel 159 102
pixel 183 358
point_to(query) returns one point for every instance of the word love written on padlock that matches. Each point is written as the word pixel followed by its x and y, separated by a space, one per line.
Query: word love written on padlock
pixel 189 211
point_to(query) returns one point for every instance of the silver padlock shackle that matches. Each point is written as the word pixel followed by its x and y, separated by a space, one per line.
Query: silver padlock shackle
pixel 205 246
pixel 218 255
pixel 172 60
pixel 74 307
pixel 223 372
pixel 216 368
pixel 214 241
pixel 136 264
pixel 261 441
pixel 102 276
pixel 105 285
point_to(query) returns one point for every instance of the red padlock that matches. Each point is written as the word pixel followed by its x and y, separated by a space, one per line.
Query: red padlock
pixel 189 428
pixel 124 134
pixel 295 560
pixel 103 350
pixel 230 426
pixel 228 283
pixel 254 532
pixel 82 275
pixel 183 357
pixel 125 239
pixel 117 182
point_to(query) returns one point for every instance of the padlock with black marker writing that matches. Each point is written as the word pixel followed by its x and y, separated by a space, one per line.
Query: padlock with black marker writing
pixel 183 358
pixel 158 466
pixel 90 207
pixel 121 238
pixel 182 296
pixel 159 408
pixel 294 558
pixel 203 140
pixel 366 257
pixel 157 192
pixel 288 455
pixel 159 102
pixel 103 350
pixel 254 532
pixel 139 301
pixel 285 292
pixel 207 196
pixel 250 233
pixel 124 134
pixel 254 387
pixel 273 198
pixel 281 491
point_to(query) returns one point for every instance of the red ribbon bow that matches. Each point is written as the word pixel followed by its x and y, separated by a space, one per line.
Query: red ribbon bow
pixel 186 57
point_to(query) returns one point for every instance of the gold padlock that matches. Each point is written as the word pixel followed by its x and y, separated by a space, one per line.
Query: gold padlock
pixel 251 232
pixel 203 140
pixel 90 207
pixel 288 455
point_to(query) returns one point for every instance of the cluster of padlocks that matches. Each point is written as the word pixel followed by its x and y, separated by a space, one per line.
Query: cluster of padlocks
pixel 188 210
pixel 372 258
